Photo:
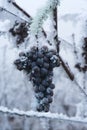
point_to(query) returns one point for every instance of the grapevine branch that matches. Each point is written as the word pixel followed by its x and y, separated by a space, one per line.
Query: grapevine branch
pixel 3 9
pixel 48 115
pixel 65 66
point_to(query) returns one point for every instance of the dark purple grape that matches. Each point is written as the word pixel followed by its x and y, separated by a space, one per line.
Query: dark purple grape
pixel 36 81
pixel 18 61
pixel 34 49
pixel 20 66
pixel 42 88
pixel 40 108
pixel 36 69
pixel 46 108
pixel 49 91
pixel 49 79
pixel 39 54
pixel 39 95
pixel 43 72
pixel 44 101
pixel 49 54
pixel 36 89
pixel 52 86
pixel 34 57
pixel 50 73
pixel 46 65
pixel 49 99
pixel 45 83
pixel 44 49
pixel 46 59
pixel 21 54
pixel 33 64
pixel 40 61
pixel 29 55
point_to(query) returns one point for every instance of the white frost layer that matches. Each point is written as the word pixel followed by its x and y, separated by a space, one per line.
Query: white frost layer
pixel 43 115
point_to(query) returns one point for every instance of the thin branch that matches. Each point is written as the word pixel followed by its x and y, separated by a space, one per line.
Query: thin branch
pixel 23 11
pixel 3 9
pixel 48 115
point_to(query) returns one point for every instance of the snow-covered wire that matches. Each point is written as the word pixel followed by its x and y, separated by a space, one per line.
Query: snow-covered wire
pixel 42 15
pixel 48 115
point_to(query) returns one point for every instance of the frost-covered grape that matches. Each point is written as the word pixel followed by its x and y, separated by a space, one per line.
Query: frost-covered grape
pixel 46 65
pixel 44 49
pixel 38 63
pixel 39 95
pixel 20 31
pixel 45 83
pixel 49 91
pixel 49 99
pixel 43 72
pixel 46 108
pixel 44 101
pixel 52 86
pixel 40 108
pixel 42 88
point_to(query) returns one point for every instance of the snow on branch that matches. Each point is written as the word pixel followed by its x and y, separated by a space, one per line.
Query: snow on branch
pixel 48 115
pixel 42 15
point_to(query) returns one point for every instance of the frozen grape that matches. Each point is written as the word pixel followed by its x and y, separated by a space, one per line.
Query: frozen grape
pixel 38 64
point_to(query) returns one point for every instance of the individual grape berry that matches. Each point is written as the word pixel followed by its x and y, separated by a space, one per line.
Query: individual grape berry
pixel 49 79
pixel 34 57
pixel 44 101
pixel 20 66
pixel 36 69
pixel 45 83
pixel 40 54
pixel 52 86
pixel 46 59
pixel 46 108
pixel 16 62
pixel 36 81
pixel 34 49
pixel 49 98
pixel 49 91
pixel 29 55
pixel 39 95
pixel 44 49
pixel 33 64
pixel 50 73
pixel 36 89
pixel 40 108
pixel 46 65
pixel 22 54
pixel 49 54
pixel 42 88
pixel 40 61
pixel 43 72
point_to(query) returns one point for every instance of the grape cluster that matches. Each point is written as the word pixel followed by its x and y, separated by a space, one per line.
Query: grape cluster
pixel 84 54
pixel 19 30
pixel 39 64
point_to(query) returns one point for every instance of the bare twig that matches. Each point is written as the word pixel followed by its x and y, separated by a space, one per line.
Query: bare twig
pixel 3 9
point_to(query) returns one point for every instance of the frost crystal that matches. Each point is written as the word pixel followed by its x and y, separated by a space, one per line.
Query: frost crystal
pixel 42 15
